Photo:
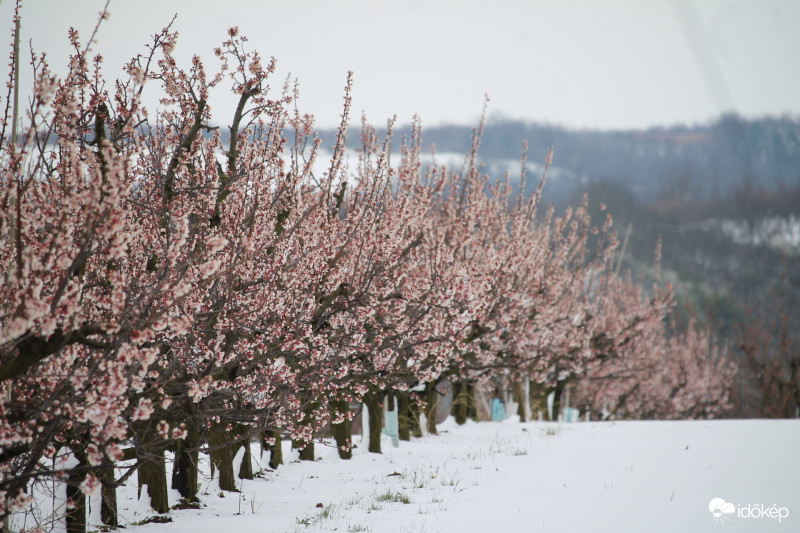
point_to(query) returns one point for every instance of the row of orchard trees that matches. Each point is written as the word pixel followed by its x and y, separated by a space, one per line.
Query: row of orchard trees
pixel 164 290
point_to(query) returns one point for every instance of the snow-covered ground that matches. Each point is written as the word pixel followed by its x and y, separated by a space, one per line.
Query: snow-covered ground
pixel 512 477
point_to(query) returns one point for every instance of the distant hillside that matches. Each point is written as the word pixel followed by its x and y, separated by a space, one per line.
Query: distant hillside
pixel 677 163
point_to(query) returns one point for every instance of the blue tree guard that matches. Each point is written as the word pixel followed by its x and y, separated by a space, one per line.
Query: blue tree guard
pixel 498 410
pixel 571 414
pixel 391 427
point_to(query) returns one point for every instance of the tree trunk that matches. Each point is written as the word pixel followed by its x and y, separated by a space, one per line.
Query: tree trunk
pixel 343 431
pixel 306 450
pixel 246 468
pixel 472 405
pixel 403 416
pixel 76 514
pixel 184 470
pixel 153 473
pixel 152 470
pixel 463 403
pixel 431 406
pixel 108 498
pixel 518 394
pixel 414 412
pixel 222 455
pixel 375 412
pixel 557 400
pixel 276 450
pixel 538 399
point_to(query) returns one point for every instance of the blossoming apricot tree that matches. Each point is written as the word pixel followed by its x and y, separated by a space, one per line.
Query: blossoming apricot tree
pixel 168 287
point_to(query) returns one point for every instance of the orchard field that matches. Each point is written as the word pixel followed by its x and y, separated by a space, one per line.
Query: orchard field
pixel 171 302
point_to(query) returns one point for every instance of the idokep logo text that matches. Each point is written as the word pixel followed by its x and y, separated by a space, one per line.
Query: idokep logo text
pixel 723 511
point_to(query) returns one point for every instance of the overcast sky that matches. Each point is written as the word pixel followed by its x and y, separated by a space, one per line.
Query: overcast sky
pixel 605 64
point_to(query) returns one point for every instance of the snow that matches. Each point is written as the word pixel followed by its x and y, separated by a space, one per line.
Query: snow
pixel 513 477
pixel 780 233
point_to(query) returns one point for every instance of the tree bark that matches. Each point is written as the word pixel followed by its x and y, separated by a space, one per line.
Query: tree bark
pixel 246 468
pixel 431 406
pixel 76 515
pixel 276 450
pixel 414 411
pixel 153 473
pixel 262 441
pixel 184 470
pixel 222 455
pixel 403 416
pixel 375 412
pixel 518 394
pixel 343 431
pixel 463 403
pixel 306 450
pixel 538 399
pixel 472 405
pixel 108 498
pixel 557 400
pixel 152 470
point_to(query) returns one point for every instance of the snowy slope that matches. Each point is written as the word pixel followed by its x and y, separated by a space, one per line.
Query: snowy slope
pixel 512 477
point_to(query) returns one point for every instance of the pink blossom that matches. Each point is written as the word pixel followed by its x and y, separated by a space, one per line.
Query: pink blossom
pixel 90 484
pixel 143 410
